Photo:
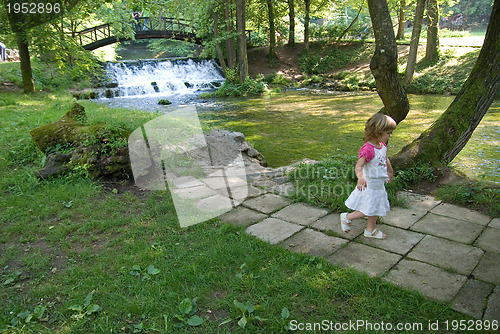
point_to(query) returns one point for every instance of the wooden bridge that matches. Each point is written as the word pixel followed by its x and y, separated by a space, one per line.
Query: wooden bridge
pixel 144 27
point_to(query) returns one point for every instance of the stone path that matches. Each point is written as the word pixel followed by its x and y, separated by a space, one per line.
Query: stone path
pixel 445 252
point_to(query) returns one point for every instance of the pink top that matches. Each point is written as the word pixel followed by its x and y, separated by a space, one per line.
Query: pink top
pixel 368 150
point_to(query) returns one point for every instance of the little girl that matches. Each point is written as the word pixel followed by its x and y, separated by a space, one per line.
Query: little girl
pixel 373 169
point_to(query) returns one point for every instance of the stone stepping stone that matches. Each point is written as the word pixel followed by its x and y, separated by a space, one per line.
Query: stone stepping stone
pixel 398 240
pixel 493 309
pixel 430 281
pixel 332 223
pixel 186 181
pixel 402 217
pixel 495 223
pixel 461 213
pixel 488 269
pixel 242 216
pixel 267 203
pixel 300 213
pixel 489 240
pixel 470 300
pixel 448 228
pixel 194 192
pixel 373 261
pixel 273 230
pixel 314 243
pixel 447 254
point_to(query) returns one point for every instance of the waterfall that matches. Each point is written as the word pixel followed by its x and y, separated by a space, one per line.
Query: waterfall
pixel 163 77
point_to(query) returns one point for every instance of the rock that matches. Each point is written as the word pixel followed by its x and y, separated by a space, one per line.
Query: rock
pixel 90 147
pixel 111 85
pixel 64 131
pixel 164 102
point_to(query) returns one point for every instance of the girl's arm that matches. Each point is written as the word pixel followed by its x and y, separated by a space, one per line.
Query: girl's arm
pixel 390 171
pixel 359 173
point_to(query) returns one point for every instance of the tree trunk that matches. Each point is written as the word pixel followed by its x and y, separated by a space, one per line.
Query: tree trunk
pixel 352 23
pixel 242 41
pixel 415 37
pixel 401 21
pixel 306 22
pixel 291 16
pixel 230 49
pixel 272 31
pixel 431 52
pixel 25 61
pixel 449 134
pixel 220 54
pixel 384 62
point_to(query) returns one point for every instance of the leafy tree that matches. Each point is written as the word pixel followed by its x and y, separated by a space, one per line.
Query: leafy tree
pixel 384 62
pixel 452 130
pixel 401 20
pixel 415 37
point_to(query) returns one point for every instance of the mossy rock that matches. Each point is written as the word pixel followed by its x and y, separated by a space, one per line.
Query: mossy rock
pixel 62 132
pixel 99 149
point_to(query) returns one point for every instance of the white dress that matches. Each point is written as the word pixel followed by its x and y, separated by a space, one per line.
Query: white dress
pixel 373 200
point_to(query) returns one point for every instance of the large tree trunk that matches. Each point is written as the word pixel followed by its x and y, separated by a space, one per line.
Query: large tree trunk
pixel 242 41
pixel 220 54
pixel 25 61
pixel 272 31
pixel 384 62
pixel 449 134
pixel 401 20
pixel 230 49
pixel 306 22
pixel 415 37
pixel 291 29
pixel 431 52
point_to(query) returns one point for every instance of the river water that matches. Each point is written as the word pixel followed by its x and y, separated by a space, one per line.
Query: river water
pixel 297 124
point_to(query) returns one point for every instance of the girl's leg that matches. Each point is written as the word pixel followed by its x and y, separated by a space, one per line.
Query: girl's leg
pixel 370 226
pixel 355 215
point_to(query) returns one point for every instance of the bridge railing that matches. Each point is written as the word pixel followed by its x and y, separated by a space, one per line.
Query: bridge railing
pixel 170 25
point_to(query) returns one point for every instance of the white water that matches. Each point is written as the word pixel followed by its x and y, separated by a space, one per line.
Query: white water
pixel 173 78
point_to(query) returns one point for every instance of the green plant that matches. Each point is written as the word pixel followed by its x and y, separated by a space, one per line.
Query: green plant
pixel 186 314
pixel 85 309
pixel 144 274
pixel 246 315
pixel 10 278
pixel 27 316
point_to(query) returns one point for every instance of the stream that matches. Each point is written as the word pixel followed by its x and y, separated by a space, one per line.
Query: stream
pixel 296 124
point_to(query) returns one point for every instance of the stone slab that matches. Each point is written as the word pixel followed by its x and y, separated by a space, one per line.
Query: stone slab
pixel 332 223
pixel 470 300
pixel 447 254
pixel 273 230
pixel 267 203
pixel 194 192
pixel 461 213
pixel 314 243
pixel 224 182
pixel 186 181
pixel 402 217
pixel 493 309
pixel 373 261
pixel 242 216
pixel 398 240
pixel 448 228
pixel 488 269
pixel 417 201
pixel 430 281
pixel 489 240
pixel 300 213
pixel 216 203
pixel 495 223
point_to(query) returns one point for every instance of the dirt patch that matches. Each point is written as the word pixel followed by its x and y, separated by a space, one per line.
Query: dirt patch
pixel 9 87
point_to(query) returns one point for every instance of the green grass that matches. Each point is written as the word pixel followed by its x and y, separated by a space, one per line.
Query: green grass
pixel 70 248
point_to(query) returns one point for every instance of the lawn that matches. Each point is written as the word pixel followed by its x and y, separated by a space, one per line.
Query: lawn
pixel 81 256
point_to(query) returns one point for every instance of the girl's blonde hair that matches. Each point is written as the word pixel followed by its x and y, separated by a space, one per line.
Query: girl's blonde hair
pixel 378 124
